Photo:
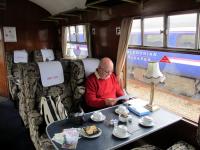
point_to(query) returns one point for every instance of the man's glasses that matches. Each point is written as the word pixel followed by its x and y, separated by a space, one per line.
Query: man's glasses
pixel 106 71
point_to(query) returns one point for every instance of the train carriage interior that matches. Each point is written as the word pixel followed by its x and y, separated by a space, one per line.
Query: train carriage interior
pixel 50 48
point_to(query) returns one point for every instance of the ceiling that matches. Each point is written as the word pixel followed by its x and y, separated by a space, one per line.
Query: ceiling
pixel 58 6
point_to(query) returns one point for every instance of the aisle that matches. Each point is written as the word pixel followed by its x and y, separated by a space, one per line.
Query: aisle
pixel 13 134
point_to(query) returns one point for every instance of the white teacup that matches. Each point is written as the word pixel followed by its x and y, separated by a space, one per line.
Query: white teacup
pixel 122 109
pixel 147 120
pixel 121 130
pixel 97 115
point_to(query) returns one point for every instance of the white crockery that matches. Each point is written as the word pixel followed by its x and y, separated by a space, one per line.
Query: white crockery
pixel 97 115
pixel 122 110
pixel 147 120
pixel 120 130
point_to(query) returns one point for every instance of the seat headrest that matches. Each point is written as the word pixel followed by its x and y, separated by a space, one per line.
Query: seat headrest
pixel 51 73
pixel 90 65
pixel 20 56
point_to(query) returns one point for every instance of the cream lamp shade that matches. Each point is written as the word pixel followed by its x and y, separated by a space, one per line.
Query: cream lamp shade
pixel 153 73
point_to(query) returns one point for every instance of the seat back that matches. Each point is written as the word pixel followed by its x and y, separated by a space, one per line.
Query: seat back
pixel 79 70
pixel 34 89
pixel 16 86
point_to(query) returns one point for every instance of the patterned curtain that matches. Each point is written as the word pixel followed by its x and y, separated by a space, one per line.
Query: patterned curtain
pixel 122 48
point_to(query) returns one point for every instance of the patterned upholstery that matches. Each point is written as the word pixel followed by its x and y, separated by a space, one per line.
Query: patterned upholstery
pixel 78 70
pixel 16 86
pixel 77 83
pixel 14 75
pixel 33 93
pixel 147 147
pixel 181 145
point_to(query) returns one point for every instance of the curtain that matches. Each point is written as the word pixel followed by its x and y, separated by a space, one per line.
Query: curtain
pixel 88 37
pixel 64 43
pixel 122 48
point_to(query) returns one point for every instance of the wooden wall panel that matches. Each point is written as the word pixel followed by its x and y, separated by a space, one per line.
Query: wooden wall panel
pixel 3 74
pixel 105 41
pixel 26 16
pixel 32 34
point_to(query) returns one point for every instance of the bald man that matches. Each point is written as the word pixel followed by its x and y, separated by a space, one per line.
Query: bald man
pixel 102 87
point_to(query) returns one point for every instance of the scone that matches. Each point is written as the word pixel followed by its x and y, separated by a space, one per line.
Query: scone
pixel 91 130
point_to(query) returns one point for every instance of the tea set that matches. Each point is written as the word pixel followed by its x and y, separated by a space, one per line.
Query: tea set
pixel 121 131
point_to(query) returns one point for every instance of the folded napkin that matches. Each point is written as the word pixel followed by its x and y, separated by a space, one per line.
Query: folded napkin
pixel 51 73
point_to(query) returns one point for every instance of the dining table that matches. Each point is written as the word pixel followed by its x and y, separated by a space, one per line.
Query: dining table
pixel 106 140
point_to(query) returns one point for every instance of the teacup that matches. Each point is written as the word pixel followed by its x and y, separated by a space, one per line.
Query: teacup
pixel 147 120
pixel 97 115
pixel 121 130
pixel 122 109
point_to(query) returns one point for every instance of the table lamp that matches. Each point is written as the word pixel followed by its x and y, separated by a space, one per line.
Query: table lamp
pixel 153 76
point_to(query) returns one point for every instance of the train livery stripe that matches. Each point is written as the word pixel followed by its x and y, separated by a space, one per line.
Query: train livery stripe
pixel 184 61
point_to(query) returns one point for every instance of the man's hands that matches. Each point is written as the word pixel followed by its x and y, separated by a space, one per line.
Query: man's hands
pixel 110 101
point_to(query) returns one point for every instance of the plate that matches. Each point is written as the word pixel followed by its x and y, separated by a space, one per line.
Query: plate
pixel 145 125
pixel 102 119
pixel 121 137
pixel 82 132
pixel 117 111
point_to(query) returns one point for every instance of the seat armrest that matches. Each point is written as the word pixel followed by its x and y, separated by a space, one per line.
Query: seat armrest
pixel 79 92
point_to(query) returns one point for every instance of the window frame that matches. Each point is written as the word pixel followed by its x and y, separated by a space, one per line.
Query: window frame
pixel 196 50
pixel 64 36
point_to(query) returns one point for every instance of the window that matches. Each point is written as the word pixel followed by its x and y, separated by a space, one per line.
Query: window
pixel 153 29
pixel 179 31
pixel 181 91
pixel 75 41
pixel 182 31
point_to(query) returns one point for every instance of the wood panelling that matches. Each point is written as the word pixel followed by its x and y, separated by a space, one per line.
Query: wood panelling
pixel 3 74
pixel 32 34
pixel 105 41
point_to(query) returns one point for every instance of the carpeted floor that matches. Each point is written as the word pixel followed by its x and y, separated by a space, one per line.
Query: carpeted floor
pixel 13 135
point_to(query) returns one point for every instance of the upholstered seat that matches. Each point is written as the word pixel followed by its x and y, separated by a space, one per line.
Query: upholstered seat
pixel 16 86
pixel 181 145
pixel 80 70
pixel 147 147
pixel 34 90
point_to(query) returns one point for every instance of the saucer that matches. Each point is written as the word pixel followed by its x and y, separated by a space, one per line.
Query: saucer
pixel 117 111
pixel 97 120
pixel 144 124
pixel 120 136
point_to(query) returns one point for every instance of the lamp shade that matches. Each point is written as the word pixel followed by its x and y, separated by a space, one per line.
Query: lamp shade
pixel 153 73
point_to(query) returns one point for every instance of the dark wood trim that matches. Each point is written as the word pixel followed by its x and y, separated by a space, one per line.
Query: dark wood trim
pixel 3 71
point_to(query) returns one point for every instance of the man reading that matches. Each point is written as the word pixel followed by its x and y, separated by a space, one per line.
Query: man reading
pixel 102 87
